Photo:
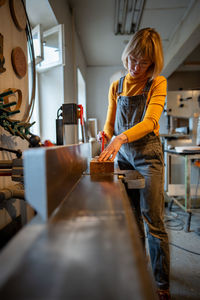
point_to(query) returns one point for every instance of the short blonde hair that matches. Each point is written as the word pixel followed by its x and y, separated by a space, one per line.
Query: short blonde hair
pixel 145 43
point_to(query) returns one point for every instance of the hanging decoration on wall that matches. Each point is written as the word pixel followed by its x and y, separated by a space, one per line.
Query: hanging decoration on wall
pixel 14 127
pixel 2 59
pixel 18 14
pixel 18 99
pixel 2 2
pixel 19 63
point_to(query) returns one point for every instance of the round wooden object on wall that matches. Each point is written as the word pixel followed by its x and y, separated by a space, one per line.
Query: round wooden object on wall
pixel 19 64
pixel 18 14
pixel 2 2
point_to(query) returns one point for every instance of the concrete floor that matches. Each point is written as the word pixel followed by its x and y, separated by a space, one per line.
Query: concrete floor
pixel 185 265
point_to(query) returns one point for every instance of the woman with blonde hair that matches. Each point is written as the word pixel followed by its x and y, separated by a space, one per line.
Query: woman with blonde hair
pixel 136 102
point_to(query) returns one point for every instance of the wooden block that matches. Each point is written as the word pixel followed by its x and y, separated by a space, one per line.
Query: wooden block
pixel 99 167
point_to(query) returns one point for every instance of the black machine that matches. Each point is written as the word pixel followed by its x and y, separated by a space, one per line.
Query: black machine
pixel 68 114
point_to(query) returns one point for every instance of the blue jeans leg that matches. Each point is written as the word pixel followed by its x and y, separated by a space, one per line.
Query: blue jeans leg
pixel 148 161
pixel 152 209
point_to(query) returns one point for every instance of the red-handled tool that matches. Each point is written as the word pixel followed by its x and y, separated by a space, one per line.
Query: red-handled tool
pixel 102 141
pixel 81 117
pixel 80 114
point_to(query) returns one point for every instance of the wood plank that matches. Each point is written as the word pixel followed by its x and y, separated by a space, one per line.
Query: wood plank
pixel 101 167
pixel 50 173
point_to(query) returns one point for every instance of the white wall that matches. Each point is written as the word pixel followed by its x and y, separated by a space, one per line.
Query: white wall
pixel 98 82
pixel 73 57
pixel 51 98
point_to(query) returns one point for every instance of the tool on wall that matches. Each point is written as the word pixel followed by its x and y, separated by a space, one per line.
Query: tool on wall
pixel 13 168
pixel 14 127
pixel 2 59
pixel 9 93
pixel 68 114
pixel 18 152
pixel 19 60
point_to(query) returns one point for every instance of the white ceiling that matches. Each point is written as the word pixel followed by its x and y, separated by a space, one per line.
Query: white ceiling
pixel 177 21
pixel 94 20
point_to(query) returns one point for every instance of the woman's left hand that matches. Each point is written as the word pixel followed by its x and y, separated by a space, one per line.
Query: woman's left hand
pixel 111 150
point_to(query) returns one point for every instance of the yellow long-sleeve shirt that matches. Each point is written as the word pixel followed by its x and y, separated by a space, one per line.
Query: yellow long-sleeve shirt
pixel 155 101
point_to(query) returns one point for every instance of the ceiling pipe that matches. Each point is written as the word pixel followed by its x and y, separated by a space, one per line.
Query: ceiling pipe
pixel 123 10
pixel 141 9
pixel 128 14
pixel 116 27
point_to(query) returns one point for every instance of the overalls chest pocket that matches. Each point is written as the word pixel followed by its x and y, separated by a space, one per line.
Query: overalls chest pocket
pixel 129 111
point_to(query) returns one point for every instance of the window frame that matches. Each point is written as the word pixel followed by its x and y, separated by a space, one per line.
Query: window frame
pixel 61 61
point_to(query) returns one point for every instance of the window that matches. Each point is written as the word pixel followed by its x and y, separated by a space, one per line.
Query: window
pixel 37 44
pixel 49 52
pixel 53 48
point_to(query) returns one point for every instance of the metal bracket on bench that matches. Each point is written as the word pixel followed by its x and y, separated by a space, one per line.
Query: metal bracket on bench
pixel 132 179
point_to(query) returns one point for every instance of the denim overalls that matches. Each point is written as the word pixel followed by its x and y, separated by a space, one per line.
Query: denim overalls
pixel 145 155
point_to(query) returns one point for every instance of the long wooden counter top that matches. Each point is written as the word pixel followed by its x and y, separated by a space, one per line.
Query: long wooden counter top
pixel 89 249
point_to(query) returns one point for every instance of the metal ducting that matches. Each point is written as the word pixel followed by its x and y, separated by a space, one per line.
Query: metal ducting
pixel 128 15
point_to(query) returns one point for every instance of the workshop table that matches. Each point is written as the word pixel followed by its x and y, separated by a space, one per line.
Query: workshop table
pixel 188 156
pixel 86 246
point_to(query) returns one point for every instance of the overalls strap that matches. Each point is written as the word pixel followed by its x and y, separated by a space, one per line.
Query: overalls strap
pixel 145 91
pixel 120 85
pixel 148 85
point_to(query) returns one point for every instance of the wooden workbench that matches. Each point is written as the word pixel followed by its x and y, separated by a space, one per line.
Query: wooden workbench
pixel 89 248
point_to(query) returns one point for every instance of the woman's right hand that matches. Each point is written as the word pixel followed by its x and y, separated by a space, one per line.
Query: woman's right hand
pixel 100 136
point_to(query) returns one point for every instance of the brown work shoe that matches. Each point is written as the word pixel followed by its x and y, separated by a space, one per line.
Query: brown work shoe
pixel 163 295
